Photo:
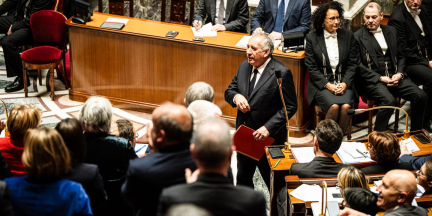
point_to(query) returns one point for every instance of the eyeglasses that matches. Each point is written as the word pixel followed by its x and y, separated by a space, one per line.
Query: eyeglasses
pixel 337 186
pixel 333 19
pixel 369 146
pixel 420 173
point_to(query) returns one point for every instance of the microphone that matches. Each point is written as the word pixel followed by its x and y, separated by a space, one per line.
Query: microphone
pixel 287 145
pixel 406 133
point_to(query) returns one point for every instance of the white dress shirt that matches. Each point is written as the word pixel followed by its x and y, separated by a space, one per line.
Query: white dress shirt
pixel 416 17
pixel 332 48
pixel 260 71
pixel 379 36
pixel 217 9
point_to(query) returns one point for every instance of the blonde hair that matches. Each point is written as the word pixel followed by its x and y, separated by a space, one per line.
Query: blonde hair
pixel 45 154
pixel 350 177
pixel 22 118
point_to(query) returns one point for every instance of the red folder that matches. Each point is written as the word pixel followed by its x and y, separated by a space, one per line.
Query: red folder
pixel 247 145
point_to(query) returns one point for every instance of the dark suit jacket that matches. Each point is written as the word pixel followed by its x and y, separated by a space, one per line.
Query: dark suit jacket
pixel 4 168
pixel 265 102
pixel 147 176
pixel 236 14
pixel 319 167
pixel 89 177
pixel 5 202
pixel 23 20
pixel 216 194
pixel 364 38
pixel 416 162
pixel 316 47
pixel 408 210
pixel 385 167
pixel 297 16
pixel 408 34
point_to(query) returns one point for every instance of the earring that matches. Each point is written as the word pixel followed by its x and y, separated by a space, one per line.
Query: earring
pixel 322 25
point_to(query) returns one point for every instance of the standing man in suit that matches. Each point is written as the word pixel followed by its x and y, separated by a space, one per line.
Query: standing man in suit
pixel 212 149
pixel 328 140
pixel 281 16
pixel 254 90
pixel 16 26
pixel 382 70
pixel 169 138
pixel 415 41
pixel 229 15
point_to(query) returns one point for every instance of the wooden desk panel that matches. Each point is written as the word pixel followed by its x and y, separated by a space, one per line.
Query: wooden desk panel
pixel 140 66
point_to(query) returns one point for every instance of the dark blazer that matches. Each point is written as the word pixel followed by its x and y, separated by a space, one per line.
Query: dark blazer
pixel 416 162
pixel 364 38
pixel 236 14
pixel 385 167
pixel 4 168
pixel 89 177
pixel 407 210
pixel 216 194
pixel 23 20
pixel 316 47
pixel 265 102
pixel 147 176
pixel 297 16
pixel 408 33
pixel 5 200
pixel 319 167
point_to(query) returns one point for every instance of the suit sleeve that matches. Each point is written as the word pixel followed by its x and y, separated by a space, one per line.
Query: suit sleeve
pixel 305 20
pixel 416 162
pixel 200 12
pixel 242 17
pixel 37 5
pixel 400 55
pixel 232 90
pixel 275 123
pixel 259 16
pixel 315 74
pixel 7 6
pixel 97 193
pixel 4 169
pixel 351 69
pixel 5 204
pixel 402 43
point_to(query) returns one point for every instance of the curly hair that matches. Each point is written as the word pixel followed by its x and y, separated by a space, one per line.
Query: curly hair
pixel 321 12
pixel 385 146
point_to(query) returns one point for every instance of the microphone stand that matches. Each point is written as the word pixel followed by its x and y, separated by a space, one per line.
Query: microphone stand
pixel 324 204
pixel 406 133
pixel 287 144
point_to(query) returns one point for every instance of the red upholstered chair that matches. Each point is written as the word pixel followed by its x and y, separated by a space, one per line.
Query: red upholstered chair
pixel 49 33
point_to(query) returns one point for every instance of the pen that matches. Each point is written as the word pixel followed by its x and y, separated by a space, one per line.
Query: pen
pixel 276 163
pixel 363 154
pixel 198 21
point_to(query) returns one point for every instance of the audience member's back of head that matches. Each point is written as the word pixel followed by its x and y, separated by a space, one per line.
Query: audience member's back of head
pixel 72 133
pixel 202 110
pixel 22 118
pixel 362 200
pixel 384 147
pixel 186 210
pixel 45 154
pixel 96 114
pixel 212 142
pixel 199 91
pixel 329 136
pixel 126 130
pixel 350 177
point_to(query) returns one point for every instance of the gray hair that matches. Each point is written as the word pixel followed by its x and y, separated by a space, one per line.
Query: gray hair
pixel 212 141
pixel 202 110
pixel 373 5
pixel 96 114
pixel 199 91
pixel 266 43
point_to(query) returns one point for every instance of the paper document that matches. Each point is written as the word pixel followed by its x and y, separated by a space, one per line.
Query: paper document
pixel 117 20
pixel 140 149
pixel 245 39
pixel 204 31
pixel 332 208
pixel 307 193
pixel 353 152
pixel 410 144
pixel 303 154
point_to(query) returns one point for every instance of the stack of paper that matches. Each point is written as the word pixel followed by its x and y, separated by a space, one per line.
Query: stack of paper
pixel 303 154
pixel 313 193
pixel 410 144
pixel 353 152
pixel 204 31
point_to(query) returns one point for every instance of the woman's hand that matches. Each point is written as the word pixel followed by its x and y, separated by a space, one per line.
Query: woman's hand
pixel 341 88
pixel 332 88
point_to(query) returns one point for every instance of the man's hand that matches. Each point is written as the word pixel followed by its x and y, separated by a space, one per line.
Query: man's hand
pixel 242 103
pixel 397 77
pixel 197 25
pixel 10 32
pixel 218 27
pixel 389 82
pixel 258 30
pixel 404 149
pixel 332 88
pixel 341 88
pixel 191 177
pixel 275 35
pixel 261 133
pixel 430 64
pixel 351 212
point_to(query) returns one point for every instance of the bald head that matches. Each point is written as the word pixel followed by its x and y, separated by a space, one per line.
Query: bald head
pixel 373 5
pixel 173 122
pixel 398 188
pixel 202 110
pixel 404 181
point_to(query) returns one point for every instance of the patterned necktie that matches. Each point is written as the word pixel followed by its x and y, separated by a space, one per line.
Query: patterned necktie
pixel 378 30
pixel 330 35
pixel 221 12
pixel 280 17
pixel 252 82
